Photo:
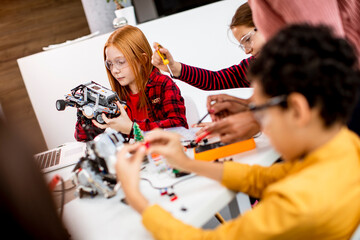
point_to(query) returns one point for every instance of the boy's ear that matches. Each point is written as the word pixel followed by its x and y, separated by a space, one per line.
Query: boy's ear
pixel 300 110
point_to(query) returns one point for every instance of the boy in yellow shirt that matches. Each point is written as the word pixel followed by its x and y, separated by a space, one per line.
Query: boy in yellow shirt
pixel 305 83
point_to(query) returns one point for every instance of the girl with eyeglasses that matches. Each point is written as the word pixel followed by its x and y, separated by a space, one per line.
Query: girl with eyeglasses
pixel 153 99
pixel 250 40
pixel 341 15
pixel 270 16
pixel 303 106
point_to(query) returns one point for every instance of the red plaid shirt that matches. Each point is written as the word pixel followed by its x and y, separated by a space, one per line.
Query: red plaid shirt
pixel 166 108
pixel 232 77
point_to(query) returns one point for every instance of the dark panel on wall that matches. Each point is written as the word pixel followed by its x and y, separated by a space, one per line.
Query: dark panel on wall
pixel 166 7
pixel 26 27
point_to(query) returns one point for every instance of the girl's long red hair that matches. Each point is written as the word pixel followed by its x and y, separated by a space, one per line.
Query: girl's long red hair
pixel 136 49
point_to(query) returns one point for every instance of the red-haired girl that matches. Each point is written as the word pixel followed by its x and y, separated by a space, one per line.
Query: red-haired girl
pixel 153 99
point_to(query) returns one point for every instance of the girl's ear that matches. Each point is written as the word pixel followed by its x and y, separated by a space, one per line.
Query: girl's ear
pixel 145 57
pixel 300 110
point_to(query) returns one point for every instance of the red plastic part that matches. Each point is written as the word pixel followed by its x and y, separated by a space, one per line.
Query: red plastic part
pixel 54 181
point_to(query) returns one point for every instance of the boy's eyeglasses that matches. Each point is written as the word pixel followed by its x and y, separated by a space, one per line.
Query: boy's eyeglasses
pixel 257 109
pixel 120 64
pixel 274 101
pixel 259 115
pixel 247 41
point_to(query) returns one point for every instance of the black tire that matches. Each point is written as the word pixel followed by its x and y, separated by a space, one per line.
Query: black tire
pixel 60 105
pixel 99 119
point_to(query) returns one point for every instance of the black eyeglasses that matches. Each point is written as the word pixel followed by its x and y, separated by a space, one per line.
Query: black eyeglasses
pixel 257 109
pixel 274 101
pixel 270 103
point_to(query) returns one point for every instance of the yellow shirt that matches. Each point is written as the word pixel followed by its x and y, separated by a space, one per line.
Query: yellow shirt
pixel 314 198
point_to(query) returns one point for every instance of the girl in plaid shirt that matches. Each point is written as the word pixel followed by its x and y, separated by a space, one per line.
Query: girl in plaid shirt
pixel 153 99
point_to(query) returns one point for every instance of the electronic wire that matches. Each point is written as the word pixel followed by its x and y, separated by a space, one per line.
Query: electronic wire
pixel 62 191
pixel 169 186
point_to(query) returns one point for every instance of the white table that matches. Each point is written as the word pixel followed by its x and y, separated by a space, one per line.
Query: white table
pixel 101 218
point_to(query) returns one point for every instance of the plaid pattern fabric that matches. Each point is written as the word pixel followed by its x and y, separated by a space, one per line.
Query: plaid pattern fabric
pixel 85 130
pixel 166 109
pixel 232 77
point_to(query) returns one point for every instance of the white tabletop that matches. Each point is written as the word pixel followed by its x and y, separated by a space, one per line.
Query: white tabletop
pixel 101 218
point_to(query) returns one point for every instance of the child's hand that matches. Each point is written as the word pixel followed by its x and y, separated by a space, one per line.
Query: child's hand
pixel 127 172
pixel 223 105
pixel 237 127
pixel 203 126
pixel 128 166
pixel 121 124
pixel 157 62
pixel 168 145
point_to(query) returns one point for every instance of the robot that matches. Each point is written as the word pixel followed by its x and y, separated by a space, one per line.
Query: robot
pixel 92 100
pixel 95 172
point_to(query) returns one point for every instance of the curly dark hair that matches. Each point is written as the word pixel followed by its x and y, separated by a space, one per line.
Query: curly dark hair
pixel 310 60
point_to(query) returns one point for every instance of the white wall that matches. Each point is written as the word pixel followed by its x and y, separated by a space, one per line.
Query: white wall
pixel 99 15
pixel 197 37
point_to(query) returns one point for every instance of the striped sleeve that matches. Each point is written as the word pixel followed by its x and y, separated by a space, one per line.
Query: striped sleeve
pixel 232 77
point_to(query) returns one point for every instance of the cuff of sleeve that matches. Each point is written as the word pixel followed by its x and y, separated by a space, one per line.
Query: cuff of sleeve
pixel 182 72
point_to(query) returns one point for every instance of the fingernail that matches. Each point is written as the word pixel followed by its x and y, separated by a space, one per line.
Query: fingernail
pixel 211 110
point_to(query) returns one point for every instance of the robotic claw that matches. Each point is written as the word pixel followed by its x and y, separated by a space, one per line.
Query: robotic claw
pixel 95 172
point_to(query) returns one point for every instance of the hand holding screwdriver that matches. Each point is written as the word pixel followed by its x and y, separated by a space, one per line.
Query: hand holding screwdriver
pixel 163 60
pixel 162 55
